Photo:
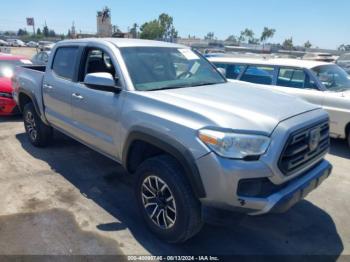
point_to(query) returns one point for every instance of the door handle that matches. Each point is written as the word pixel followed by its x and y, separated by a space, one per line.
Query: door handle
pixel 77 96
pixel 46 86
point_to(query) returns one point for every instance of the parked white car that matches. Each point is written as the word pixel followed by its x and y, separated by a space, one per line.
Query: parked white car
pixel 32 44
pixel 16 42
pixel 45 45
pixel 320 83
pixel 3 43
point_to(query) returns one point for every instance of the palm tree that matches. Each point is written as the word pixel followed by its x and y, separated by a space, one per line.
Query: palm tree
pixel 266 34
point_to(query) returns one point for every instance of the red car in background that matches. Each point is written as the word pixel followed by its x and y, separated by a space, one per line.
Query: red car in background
pixel 7 66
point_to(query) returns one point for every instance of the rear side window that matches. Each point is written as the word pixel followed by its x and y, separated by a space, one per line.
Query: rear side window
pixel 293 77
pixel 64 62
pixel 290 77
pixel 258 75
pixel 232 71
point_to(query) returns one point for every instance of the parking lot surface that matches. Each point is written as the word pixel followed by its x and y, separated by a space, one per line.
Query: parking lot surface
pixel 67 199
pixel 27 52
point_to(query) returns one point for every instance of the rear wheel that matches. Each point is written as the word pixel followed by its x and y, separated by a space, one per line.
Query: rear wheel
pixel 39 134
pixel 166 200
pixel 348 137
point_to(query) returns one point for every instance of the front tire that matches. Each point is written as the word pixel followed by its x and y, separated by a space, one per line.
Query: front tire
pixel 166 200
pixel 39 134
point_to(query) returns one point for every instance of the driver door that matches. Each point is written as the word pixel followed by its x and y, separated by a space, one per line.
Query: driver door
pixel 96 113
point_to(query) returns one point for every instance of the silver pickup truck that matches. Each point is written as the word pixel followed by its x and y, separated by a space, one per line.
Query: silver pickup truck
pixel 190 138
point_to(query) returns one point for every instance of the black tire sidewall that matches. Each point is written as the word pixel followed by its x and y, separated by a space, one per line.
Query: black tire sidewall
pixel 29 108
pixel 43 133
pixel 177 232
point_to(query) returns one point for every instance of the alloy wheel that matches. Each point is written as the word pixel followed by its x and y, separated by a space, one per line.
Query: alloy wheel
pixel 159 202
pixel 31 126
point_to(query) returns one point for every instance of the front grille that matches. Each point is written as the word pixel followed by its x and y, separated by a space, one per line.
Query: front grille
pixel 299 151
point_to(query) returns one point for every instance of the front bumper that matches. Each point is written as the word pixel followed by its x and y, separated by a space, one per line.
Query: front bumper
pixel 295 191
pixel 8 106
pixel 221 179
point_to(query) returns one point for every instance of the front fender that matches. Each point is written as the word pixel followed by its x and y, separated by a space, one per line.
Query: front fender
pixel 173 148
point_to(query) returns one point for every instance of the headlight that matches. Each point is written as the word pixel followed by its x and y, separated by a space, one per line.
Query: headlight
pixel 233 145
pixel 7 95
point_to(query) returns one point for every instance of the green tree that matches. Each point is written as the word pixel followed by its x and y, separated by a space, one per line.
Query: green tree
pixel 266 34
pixel 232 39
pixel 308 44
pixel 46 31
pixel 209 36
pixel 134 30
pixel 38 31
pixel 248 36
pixel 167 24
pixel 52 33
pixel 254 41
pixel 22 32
pixel 173 34
pixel 288 44
pixel 151 30
pixel 161 28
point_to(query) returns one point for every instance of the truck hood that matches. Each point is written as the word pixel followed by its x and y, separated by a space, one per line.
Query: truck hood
pixel 237 105
pixel 5 85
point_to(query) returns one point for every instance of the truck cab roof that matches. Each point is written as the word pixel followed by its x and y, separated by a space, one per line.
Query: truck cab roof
pixel 125 42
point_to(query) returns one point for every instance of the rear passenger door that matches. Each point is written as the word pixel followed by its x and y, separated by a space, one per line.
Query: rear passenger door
pixel 259 74
pixel 57 86
pixel 297 82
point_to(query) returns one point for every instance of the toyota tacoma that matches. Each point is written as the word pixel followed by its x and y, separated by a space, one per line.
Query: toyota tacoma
pixel 190 138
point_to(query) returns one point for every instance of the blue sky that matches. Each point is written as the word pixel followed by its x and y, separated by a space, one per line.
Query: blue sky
pixel 325 23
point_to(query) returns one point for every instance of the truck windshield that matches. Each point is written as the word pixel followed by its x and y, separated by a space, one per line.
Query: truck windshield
pixel 156 68
pixel 333 77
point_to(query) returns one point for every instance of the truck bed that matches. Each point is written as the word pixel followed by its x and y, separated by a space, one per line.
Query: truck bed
pixel 36 67
pixel 30 79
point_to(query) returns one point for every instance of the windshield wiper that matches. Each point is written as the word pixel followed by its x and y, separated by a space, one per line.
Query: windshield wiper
pixel 176 87
pixel 205 84
pixel 167 88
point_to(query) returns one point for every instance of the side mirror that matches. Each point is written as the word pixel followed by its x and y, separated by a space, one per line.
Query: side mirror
pixel 222 71
pixel 101 81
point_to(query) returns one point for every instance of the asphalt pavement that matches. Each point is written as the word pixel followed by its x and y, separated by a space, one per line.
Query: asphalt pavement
pixel 67 199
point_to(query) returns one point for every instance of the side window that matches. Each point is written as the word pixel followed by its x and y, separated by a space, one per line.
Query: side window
pixel 295 78
pixel 98 61
pixel 220 65
pixel 258 74
pixel 64 62
pixel 232 70
pixel 290 77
